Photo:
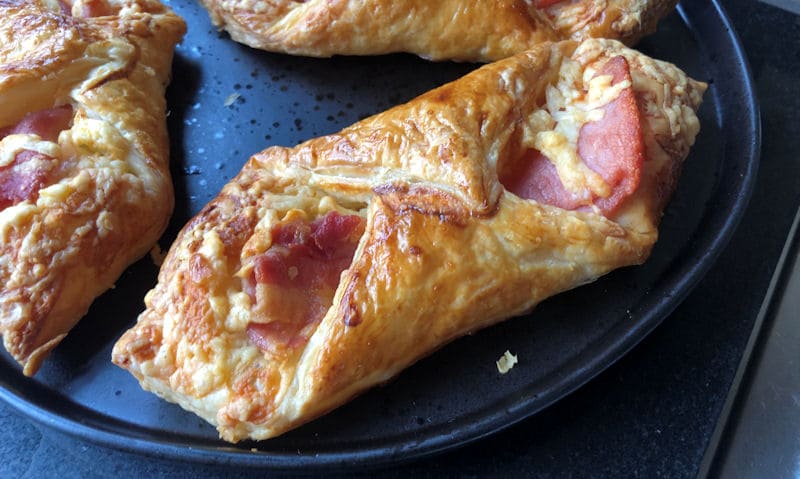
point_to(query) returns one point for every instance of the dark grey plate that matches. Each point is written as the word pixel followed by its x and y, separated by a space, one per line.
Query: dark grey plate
pixel 456 395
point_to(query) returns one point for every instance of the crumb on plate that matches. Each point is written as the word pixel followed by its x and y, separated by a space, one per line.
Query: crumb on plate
pixel 506 362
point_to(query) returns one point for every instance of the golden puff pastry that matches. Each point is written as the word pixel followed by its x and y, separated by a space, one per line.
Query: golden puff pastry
pixel 85 188
pixel 325 269
pixel 462 30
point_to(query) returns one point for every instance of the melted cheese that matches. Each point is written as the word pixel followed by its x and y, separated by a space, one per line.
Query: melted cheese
pixel 506 362
pixel 576 99
pixel 12 145
pixel 13 217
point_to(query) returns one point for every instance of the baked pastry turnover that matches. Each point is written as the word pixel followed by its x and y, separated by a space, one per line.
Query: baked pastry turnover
pixel 84 180
pixel 325 269
pixel 463 30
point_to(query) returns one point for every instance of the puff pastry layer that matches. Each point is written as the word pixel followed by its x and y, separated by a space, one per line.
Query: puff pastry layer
pixel 325 269
pixel 463 30
pixel 83 157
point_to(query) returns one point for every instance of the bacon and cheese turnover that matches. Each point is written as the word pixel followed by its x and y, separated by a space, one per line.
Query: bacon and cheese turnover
pixel 84 179
pixel 325 269
pixel 462 30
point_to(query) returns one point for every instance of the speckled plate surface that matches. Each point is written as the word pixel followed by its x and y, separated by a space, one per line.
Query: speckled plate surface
pixel 228 101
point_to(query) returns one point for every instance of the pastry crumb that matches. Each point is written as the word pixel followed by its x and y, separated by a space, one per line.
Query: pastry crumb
pixel 506 362
pixel 157 255
pixel 231 99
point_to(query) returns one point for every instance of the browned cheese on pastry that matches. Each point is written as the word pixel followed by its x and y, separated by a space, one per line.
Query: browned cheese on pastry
pixel 462 30
pixel 84 179
pixel 325 269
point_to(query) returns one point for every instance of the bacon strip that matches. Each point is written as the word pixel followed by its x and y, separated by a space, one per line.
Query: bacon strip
pixel 31 171
pixel 301 270
pixel 534 177
pixel 613 147
pixel 45 123
pixel 22 180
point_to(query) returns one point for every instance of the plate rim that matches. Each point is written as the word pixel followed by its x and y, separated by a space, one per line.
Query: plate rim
pixel 600 354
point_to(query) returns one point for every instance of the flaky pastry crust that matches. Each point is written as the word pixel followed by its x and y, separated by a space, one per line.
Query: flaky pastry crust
pixel 462 30
pixel 446 249
pixel 109 196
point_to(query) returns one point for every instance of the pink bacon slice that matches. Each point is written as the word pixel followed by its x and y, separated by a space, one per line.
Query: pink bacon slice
pixel 22 180
pixel 302 268
pixel 45 123
pixel 31 171
pixel 613 147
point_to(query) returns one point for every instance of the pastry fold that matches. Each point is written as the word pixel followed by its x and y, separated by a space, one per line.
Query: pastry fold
pixel 325 269
pixel 84 154
pixel 462 30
